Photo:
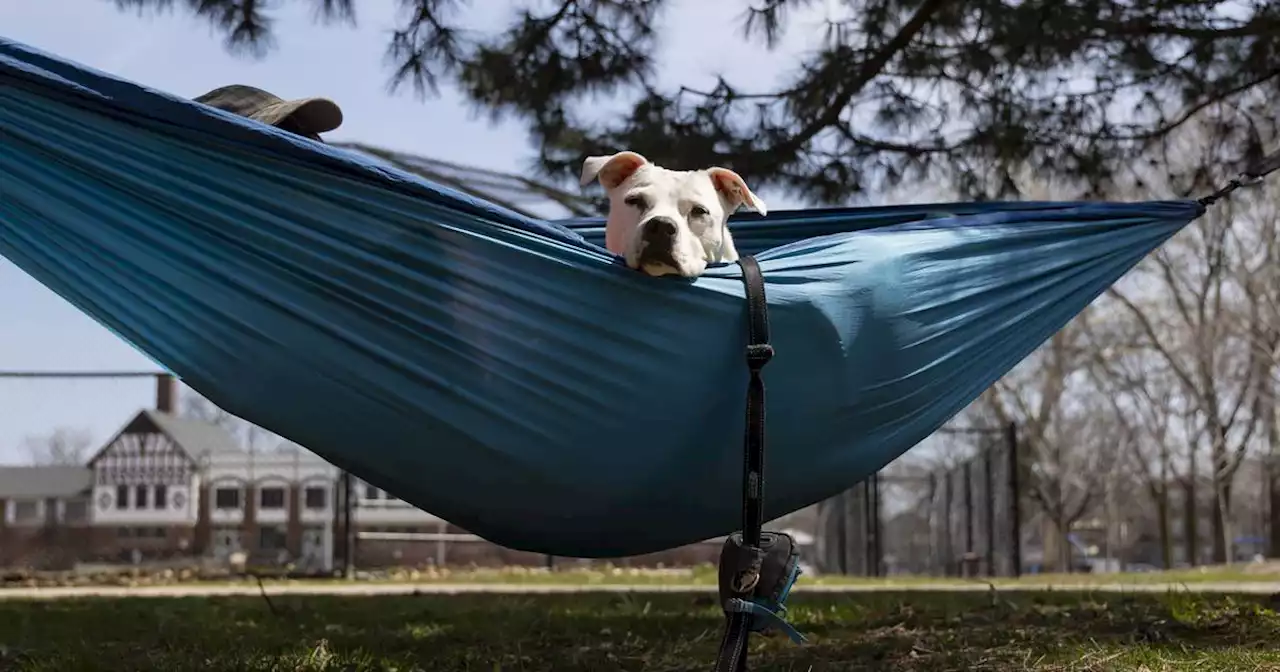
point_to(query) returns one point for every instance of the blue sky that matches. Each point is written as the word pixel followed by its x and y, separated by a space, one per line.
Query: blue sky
pixel 180 54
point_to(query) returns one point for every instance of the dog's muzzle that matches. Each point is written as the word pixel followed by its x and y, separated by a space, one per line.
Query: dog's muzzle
pixel 658 238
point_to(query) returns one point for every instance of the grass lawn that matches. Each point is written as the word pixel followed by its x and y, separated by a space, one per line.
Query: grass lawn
pixel 705 575
pixel 877 631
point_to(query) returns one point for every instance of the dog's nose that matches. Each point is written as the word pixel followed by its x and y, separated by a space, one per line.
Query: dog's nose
pixel 659 230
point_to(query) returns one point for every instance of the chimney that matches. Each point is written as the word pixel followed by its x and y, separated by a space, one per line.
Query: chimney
pixel 166 393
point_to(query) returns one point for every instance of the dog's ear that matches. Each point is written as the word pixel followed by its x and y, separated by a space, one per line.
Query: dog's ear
pixel 735 189
pixel 612 170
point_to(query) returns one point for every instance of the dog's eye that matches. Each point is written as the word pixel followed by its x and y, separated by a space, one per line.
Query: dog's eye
pixel 636 201
pixel 698 211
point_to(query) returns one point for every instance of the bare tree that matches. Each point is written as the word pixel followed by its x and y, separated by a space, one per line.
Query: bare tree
pixel 1193 311
pixel 1256 237
pixel 1066 448
pixel 64 446
pixel 1144 397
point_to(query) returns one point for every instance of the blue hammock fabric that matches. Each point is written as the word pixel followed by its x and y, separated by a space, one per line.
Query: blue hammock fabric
pixel 506 373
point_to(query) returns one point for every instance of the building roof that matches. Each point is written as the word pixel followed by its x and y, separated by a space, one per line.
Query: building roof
pixel 33 482
pixel 197 437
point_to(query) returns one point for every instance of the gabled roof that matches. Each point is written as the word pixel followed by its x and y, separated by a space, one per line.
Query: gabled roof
pixel 38 482
pixel 197 438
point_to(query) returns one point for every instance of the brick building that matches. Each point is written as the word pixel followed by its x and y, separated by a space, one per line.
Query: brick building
pixel 44 515
pixel 166 487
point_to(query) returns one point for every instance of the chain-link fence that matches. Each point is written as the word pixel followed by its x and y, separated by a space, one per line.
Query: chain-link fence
pixel 959 520
pixel 847 531
pixel 973 510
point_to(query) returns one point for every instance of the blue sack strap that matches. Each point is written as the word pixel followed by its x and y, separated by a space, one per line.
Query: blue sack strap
pixel 765 617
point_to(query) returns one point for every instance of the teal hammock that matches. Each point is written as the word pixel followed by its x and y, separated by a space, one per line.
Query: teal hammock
pixel 505 373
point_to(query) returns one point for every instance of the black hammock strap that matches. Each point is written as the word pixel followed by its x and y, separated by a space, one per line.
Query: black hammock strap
pixel 1250 177
pixel 759 352
pixel 757 568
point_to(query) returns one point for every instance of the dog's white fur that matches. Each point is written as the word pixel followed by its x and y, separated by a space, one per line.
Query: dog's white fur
pixel 698 202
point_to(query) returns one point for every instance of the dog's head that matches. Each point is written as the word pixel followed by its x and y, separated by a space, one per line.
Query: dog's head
pixel 668 222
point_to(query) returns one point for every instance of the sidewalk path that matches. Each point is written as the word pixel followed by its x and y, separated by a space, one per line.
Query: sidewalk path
pixel 369 589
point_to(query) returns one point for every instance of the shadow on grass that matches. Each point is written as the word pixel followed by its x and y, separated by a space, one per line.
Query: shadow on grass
pixel 879 631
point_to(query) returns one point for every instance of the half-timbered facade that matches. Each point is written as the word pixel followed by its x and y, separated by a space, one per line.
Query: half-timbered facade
pixel 144 477
pixel 147 484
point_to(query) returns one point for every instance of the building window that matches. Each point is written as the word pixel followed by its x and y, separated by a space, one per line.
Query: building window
pixel 271 498
pixel 226 498
pixel 162 497
pixel 122 496
pixel 75 511
pixel 370 492
pixel 140 495
pixel 317 497
pixel 26 511
pixel 271 538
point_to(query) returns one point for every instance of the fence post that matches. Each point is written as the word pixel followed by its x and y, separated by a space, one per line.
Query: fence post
pixel 348 528
pixel 990 522
pixel 968 516
pixel 1015 513
pixel 842 536
pixel 877 547
pixel 933 523
pixel 948 547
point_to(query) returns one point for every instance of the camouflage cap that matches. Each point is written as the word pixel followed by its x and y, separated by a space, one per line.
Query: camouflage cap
pixel 308 116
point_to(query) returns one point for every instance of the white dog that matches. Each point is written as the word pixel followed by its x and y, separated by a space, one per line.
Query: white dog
pixel 669 222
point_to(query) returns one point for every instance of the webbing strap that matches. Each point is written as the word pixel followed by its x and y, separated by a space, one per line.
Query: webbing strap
pixel 1251 176
pixel 733 646
pixel 759 352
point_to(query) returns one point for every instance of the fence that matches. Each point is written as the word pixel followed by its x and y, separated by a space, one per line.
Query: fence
pixel 847 531
pixel 961 520
pixel 974 511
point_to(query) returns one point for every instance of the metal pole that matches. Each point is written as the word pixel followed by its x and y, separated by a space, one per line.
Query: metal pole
pixel 877 547
pixel 842 534
pixel 1015 513
pixel 868 530
pixel 348 529
pixel 948 554
pixel 968 506
pixel 934 550
pixel 988 467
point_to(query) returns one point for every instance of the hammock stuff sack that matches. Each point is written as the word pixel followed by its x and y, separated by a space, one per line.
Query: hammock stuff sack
pixel 506 373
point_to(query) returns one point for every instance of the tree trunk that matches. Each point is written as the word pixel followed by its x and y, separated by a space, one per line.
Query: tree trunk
pixel 1273 500
pixel 1218 520
pixel 1272 434
pixel 1190 521
pixel 1065 546
pixel 1052 540
pixel 1225 524
pixel 1162 521
pixel 1220 479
